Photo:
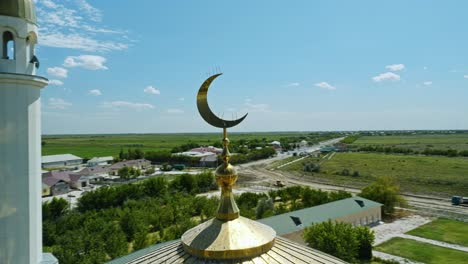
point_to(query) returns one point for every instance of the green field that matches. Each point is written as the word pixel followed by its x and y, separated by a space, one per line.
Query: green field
pixel 442 176
pixel 88 146
pixel 422 252
pixel 450 231
pixel 417 142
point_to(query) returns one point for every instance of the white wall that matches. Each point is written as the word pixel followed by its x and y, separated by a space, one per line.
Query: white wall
pixel 20 169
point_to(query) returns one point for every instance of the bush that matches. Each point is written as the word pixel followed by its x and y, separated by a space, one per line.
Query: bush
pixel 341 240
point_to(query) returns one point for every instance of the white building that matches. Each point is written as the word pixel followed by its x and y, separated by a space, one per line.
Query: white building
pixel 98 161
pixel 20 136
pixel 64 160
pixel 194 154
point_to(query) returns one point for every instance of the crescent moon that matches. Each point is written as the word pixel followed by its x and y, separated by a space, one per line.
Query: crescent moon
pixel 204 108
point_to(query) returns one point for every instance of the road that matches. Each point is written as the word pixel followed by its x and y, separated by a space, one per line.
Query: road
pixel 258 173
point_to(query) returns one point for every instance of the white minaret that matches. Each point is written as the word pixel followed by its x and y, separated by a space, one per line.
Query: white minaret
pixel 20 135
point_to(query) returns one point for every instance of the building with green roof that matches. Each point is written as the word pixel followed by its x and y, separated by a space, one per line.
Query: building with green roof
pixel 356 210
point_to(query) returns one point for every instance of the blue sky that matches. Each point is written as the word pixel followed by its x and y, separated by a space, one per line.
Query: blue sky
pixel 136 66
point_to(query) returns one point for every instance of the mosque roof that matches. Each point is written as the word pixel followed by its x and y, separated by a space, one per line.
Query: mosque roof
pixel 284 251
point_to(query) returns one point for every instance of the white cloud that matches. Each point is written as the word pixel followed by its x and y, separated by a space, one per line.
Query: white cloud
pixel 94 13
pixel 395 67
pixel 465 76
pixel 257 107
pixel 125 104
pixel 427 83
pixel 386 76
pixel 181 99
pixel 95 92
pixel 294 84
pixel 57 72
pixel 80 42
pixel 151 90
pixel 325 85
pixel 89 62
pixel 55 82
pixel 58 103
pixel 175 111
pixel 73 24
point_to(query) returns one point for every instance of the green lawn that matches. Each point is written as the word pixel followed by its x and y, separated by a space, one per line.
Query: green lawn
pixel 441 176
pixel 451 231
pixel 418 142
pixel 422 252
pixel 88 146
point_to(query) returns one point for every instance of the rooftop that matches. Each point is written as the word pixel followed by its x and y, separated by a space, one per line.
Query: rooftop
pixel 288 222
pixel 284 251
pixel 59 158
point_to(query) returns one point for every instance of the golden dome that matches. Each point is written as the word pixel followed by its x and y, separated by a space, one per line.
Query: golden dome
pixel 19 8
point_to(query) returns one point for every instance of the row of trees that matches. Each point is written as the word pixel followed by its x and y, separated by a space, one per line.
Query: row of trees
pixel 167 157
pixel 127 173
pixel 350 139
pixel 427 151
pixel 257 206
pixel 108 196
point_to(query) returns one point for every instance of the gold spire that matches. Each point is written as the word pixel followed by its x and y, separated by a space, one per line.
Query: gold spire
pixel 226 177
pixel 229 235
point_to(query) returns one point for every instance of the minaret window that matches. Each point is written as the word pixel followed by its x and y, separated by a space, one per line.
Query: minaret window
pixel 8 46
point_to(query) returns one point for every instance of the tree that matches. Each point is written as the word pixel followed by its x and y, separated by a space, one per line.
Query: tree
pixel 116 241
pixel 313 197
pixel 187 183
pixel 155 187
pixel 386 191
pixel 265 208
pixel 365 238
pixel 141 240
pixel 335 238
pixel 131 224
pixel 54 209
pixel 341 240
pixel 124 173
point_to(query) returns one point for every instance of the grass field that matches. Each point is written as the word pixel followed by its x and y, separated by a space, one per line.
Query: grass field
pixel 442 176
pixel 446 230
pixel 88 146
pixel 418 142
pixel 422 252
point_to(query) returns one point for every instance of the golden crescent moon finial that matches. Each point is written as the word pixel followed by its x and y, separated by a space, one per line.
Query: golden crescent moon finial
pixel 205 111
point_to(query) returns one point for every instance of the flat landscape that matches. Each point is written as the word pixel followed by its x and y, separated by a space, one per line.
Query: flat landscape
pixel 433 175
pixel 417 142
pixel 88 146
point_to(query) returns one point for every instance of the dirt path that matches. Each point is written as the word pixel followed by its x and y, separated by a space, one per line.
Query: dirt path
pixel 387 231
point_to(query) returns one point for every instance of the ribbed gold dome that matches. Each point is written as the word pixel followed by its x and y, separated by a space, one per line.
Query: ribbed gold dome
pixel 19 8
